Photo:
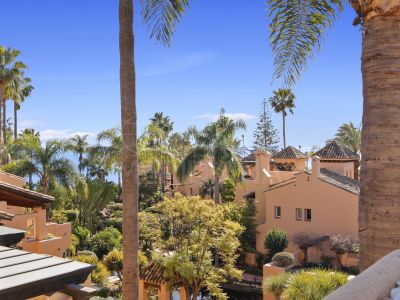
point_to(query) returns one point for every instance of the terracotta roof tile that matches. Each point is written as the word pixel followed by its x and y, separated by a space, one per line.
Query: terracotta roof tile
pixel 334 150
pixel 340 181
pixel 250 158
pixel 290 153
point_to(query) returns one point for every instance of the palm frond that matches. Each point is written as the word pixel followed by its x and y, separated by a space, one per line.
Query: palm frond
pixel 161 17
pixel 297 29
pixel 188 165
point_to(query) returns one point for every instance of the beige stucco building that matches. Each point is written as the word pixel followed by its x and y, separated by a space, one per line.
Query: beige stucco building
pixel 25 210
pixel 321 201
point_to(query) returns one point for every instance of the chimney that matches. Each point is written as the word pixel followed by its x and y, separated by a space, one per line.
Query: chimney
pixel 315 166
pixel 262 163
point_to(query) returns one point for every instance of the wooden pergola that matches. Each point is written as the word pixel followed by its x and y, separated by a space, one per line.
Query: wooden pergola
pixel 26 275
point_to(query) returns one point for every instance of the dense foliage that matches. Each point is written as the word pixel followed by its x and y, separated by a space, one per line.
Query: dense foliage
pixel 185 232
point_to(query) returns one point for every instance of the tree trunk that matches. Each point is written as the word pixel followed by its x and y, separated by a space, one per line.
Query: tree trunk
pixel 163 178
pixel 283 129
pixel 4 122
pixel 217 189
pixel 195 293
pixel 130 232
pixel 379 204
pixel 15 121
pixel 187 293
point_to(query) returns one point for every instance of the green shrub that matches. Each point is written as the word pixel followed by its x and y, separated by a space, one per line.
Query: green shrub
pixel 228 190
pixel 85 258
pixel 283 259
pixel 100 274
pixel 49 236
pixel 106 240
pixel 114 261
pixel 83 235
pixel 277 284
pixel 313 284
pixel 114 222
pixel 275 241
pixel 71 215
pixel 58 217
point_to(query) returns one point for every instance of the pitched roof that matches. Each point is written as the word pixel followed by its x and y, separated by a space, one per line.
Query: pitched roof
pixel 340 181
pixel 250 158
pixel 18 196
pixel 336 151
pixel 290 153
pixel 25 275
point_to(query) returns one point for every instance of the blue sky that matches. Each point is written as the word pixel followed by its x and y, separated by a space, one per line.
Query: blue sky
pixel 219 57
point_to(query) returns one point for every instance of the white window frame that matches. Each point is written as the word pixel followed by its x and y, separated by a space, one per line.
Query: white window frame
pixel 299 214
pixel 276 208
pixel 305 214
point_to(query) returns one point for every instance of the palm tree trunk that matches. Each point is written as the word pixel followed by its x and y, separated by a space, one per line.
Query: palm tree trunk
pixel 15 121
pixel 217 189
pixel 379 204
pixel 130 232
pixel 4 122
pixel 284 129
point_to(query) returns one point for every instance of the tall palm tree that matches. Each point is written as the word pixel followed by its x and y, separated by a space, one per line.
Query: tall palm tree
pixel 217 142
pixel 162 122
pixel 297 30
pixel 79 145
pixel 161 17
pixel 45 162
pixel 10 70
pixel 349 136
pixel 283 101
pixel 21 89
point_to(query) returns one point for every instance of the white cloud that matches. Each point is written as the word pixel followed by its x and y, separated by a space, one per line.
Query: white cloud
pixel 29 123
pixel 48 134
pixel 167 65
pixel 233 116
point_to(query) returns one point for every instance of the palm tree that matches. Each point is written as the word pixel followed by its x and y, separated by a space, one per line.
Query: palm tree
pixel 162 17
pixel 10 70
pixel 349 136
pixel 18 90
pixel 217 142
pixel 297 30
pixel 281 101
pixel 162 122
pixel 79 145
pixel 44 162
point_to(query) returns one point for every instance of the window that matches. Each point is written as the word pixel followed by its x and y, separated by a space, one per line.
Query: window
pixel 307 214
pixel 299 214
pixel 278 212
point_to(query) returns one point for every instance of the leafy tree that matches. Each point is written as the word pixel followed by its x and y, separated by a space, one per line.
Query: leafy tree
pixel 104 241
pixel 276 241
pixel 265 136
pixel 100 273
pixel 216 142
pixel 283 101
pixel 228 190
pixel 191 228
pixel 244 214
